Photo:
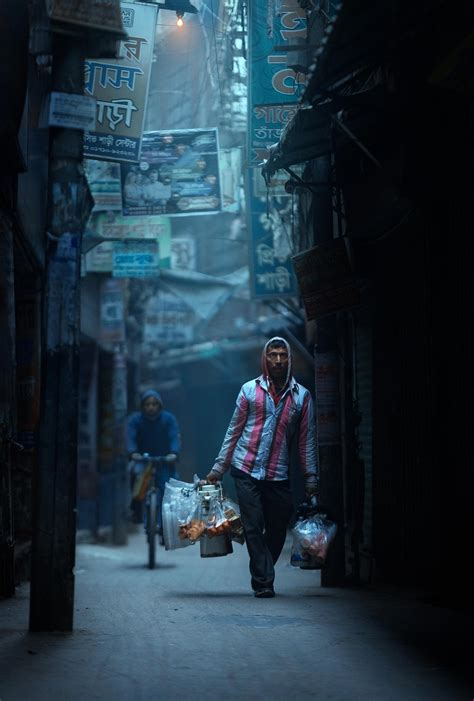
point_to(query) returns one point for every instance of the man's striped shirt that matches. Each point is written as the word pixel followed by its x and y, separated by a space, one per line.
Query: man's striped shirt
pixel 259 435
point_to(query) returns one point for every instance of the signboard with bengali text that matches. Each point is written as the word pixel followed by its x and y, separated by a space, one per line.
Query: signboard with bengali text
pixel 120 87
pixel 274 87
pixel 274 90
pixel 135 259
pixel 270 254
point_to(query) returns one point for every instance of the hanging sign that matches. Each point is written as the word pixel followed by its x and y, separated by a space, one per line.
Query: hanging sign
pixel 120 87
pixel 95 14
pixel 178 175
pixel 135 259
pixel 270 253
pixel 112 323
pixel 274 86
pixel 325 278
pixel 71 111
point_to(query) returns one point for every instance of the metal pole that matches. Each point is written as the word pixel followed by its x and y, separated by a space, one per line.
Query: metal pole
pixel 54 531
pixel 119 525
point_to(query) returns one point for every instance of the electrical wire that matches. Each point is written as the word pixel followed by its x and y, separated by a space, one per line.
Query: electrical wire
pixel 213 16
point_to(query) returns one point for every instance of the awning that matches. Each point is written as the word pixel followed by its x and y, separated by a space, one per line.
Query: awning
pixel 306 136
pixel 204 294
pixel 365 35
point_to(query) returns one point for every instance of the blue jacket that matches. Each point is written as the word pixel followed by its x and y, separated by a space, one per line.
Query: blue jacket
pixel 158 436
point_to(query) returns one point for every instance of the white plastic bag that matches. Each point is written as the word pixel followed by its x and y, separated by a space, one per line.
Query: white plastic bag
pixel 179 504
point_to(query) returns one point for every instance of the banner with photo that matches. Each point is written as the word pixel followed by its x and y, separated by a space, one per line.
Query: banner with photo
pixel 120 87
pixel 178 175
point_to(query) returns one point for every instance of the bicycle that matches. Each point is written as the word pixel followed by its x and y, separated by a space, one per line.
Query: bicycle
pixel 149 491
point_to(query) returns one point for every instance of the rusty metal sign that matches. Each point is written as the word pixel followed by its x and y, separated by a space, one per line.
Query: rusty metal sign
pixel 105 15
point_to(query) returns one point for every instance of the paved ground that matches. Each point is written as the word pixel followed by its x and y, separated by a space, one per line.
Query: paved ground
pixel 191 630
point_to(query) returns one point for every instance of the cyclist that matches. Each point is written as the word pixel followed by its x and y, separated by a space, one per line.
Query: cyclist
pixel 155 431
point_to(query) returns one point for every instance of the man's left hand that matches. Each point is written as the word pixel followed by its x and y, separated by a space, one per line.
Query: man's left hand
pixel 171 457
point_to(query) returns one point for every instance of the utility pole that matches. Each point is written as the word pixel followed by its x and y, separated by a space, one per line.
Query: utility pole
pixel 53 553
pixel 119 526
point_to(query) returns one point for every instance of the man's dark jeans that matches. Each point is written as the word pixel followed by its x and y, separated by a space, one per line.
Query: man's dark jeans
pixel 265 510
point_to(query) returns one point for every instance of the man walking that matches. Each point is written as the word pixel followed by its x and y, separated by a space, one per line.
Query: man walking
pixel 271 412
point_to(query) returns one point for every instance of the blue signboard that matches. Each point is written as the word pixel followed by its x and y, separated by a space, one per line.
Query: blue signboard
pixel 270 245
pixel 273 100
pixel 274 87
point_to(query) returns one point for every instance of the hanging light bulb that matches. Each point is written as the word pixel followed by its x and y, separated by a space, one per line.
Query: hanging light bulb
pixel 179 21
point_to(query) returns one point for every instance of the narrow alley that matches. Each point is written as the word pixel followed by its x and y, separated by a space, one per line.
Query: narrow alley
pixel 192 630
pixel 235 296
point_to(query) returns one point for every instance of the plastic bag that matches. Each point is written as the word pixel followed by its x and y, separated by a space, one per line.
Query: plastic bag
pixel 232 513
pixel 216 522
pixel 179 504
pixel 312 538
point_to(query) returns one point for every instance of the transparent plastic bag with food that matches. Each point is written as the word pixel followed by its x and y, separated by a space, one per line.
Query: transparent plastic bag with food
pixel 232 514
pixel 312 539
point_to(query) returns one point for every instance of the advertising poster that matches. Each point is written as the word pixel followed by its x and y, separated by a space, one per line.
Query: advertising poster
pixel 178 175
pixel 103 178
pixel 120 87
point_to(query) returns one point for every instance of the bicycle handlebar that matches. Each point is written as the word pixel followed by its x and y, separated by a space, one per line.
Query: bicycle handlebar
pixel 157 458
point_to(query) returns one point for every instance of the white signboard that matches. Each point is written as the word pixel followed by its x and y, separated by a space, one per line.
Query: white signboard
pixel 168 321
pixel 71 111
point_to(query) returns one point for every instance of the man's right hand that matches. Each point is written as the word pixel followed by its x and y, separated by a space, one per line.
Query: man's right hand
pixel 212 478
pixel 136 456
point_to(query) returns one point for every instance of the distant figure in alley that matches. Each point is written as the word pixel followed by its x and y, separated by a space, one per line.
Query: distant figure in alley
pixel 155 431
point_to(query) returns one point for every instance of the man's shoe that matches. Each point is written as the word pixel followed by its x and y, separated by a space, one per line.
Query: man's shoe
pixel 267 593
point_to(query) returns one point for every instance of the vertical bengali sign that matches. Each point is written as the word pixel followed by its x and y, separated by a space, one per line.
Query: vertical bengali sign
pixel 274 87
pixel 120 87
pixel 270 253
pixel 273 96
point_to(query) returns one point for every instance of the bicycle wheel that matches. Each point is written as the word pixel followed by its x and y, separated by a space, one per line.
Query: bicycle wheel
pixel 151 530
